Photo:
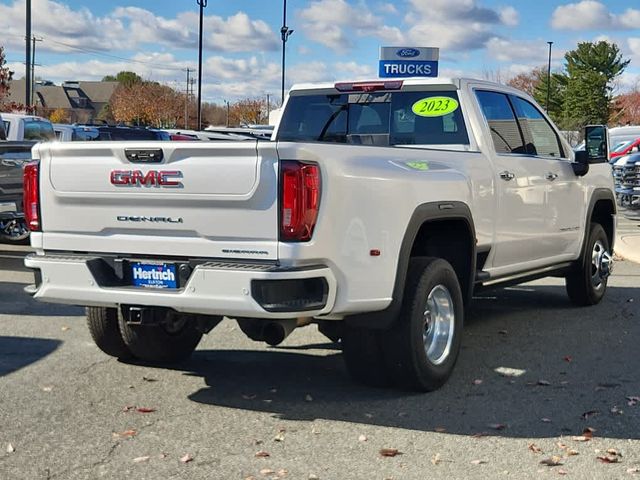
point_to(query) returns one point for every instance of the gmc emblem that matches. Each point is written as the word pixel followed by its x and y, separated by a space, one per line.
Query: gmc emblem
pixel 152 178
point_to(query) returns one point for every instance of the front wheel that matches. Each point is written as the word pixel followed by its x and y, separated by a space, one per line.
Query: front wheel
pixel 587 281
pixel 173 338
pixel 422 347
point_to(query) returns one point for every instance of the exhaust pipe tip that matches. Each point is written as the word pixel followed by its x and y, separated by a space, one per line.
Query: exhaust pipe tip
pixel 274 333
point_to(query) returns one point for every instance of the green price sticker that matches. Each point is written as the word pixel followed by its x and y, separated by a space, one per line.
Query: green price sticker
pixel 418 165
pixel 435 106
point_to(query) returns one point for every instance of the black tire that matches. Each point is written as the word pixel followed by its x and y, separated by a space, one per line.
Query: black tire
pixel 104 329
pixel 164 342
pixel 580 280
pixel 363 356
pixel 404 348
pixel 14 231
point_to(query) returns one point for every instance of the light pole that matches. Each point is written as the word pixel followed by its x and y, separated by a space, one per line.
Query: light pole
pixel 285 33
pixel 203 5
pixel 549 77
pixel 27 82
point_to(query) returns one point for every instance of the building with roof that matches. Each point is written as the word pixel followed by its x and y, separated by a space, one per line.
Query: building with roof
pixel 81 101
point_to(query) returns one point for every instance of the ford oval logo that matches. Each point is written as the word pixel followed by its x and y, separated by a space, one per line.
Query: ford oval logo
pixel 408 52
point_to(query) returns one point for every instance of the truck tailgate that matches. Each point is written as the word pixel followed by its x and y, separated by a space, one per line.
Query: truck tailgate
pixel 211 200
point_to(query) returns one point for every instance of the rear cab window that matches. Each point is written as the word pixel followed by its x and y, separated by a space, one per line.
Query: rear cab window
pixel 38 130
pixel 398 118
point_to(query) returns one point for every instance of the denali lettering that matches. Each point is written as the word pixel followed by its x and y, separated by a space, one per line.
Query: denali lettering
pixel 158 178
pixel 125 218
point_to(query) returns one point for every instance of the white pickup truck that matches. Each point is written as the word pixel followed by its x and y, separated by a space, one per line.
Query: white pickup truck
pixel 375 212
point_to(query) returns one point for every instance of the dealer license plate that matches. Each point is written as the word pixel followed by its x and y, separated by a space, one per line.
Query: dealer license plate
pixel 154 275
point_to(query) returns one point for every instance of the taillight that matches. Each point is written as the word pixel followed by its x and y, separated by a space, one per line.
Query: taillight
pixel 299 200
pixel 31 196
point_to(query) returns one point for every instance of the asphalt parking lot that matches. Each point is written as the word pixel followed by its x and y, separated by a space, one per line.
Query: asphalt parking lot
pixel 534 373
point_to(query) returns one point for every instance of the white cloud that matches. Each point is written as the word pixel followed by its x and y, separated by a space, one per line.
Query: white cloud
pixel 388 9
pixel 592 15
pixel 455 25
pixel 333 22
pixel 127 28
pixel 509 16
pixel 530 51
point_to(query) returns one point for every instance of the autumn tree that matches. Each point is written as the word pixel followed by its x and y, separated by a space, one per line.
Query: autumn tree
pixel 147 103
pixel 5 76
pixel 626 109
pixel 125 78
pixel 59 115
pixel 526 81
pixel 248 111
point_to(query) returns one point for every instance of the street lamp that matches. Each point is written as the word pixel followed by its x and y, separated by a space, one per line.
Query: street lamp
pixel 28 79
pixel 285 33
pixel 549 77
pixel 202 4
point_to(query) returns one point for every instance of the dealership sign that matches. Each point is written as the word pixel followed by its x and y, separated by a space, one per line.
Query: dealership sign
pixel 400 62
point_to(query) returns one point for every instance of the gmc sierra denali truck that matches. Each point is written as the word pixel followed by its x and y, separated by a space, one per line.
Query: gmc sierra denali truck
pixel 376 211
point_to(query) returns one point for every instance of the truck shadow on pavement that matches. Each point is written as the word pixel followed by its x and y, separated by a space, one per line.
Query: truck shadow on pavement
pixel 18 352
pixel 15 301
pixel 563 369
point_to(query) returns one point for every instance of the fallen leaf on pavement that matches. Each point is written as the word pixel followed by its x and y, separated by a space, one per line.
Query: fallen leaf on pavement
pixel 477 381
pixel 390 452
pixel 65 328
pixel 186 458
pixel 313 477
pixel 552 461
pixel 267 471
pixel 561 472
pixel 589 414
pixel 587 434
pixel 633 470
pixel 616 410
pixel 436 459
pixel 572 453
pixel 544 383
pixel 633 401
pixel 141 459
pixel 608 459
pixel 279 437
pixel 125 434
pixel 47 389
pixel 534 448
pixel 613 451
pixel 440 429
pixel 149 379
pixel 262 454
pixel 545 420
pixel 568 358
pixel 478 462
pixel 497 426
pixel 145 410
pixel 10 449
pixel 479 435
pixel 282 472
pixel 362 438
pixel 128 408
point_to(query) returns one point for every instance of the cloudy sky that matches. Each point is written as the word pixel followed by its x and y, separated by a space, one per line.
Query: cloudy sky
pixel 333 39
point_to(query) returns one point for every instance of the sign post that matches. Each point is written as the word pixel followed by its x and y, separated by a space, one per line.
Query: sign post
pixel 402 62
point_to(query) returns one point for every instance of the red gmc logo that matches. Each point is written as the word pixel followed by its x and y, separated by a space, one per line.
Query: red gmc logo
pixel 152 178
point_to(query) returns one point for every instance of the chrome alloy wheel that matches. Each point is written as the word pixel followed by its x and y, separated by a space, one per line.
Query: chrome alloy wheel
pixel 439 325
pixel 601 265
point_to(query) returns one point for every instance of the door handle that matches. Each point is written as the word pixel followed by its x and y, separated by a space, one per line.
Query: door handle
pixel 506 175
pixel 551 176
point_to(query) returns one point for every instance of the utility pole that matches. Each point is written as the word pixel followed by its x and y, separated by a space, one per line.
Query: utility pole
pixel 203 5
pixel 268 107
pixel 285 33
pixel 186 101
pixel 549 77
pixel 227 102
pixel 33 68
pixel 27 83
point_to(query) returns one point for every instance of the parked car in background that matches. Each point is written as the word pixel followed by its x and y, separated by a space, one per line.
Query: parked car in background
pixel 13 156
pixel 206 135
pixel 624 148
pixel 626 175
pixel 121 133
pixel 3 134
pixel 75 133
pixel 20 127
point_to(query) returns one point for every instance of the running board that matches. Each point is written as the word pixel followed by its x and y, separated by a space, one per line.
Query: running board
pixel 485 280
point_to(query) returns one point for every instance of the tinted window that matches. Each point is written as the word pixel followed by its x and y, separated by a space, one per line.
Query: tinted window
pixel 38 130
pixel 381 118
pixel 540 138
pixel 502 122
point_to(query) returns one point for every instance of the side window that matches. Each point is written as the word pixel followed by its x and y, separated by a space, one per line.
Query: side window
pixel 502 122
pixel 540 138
